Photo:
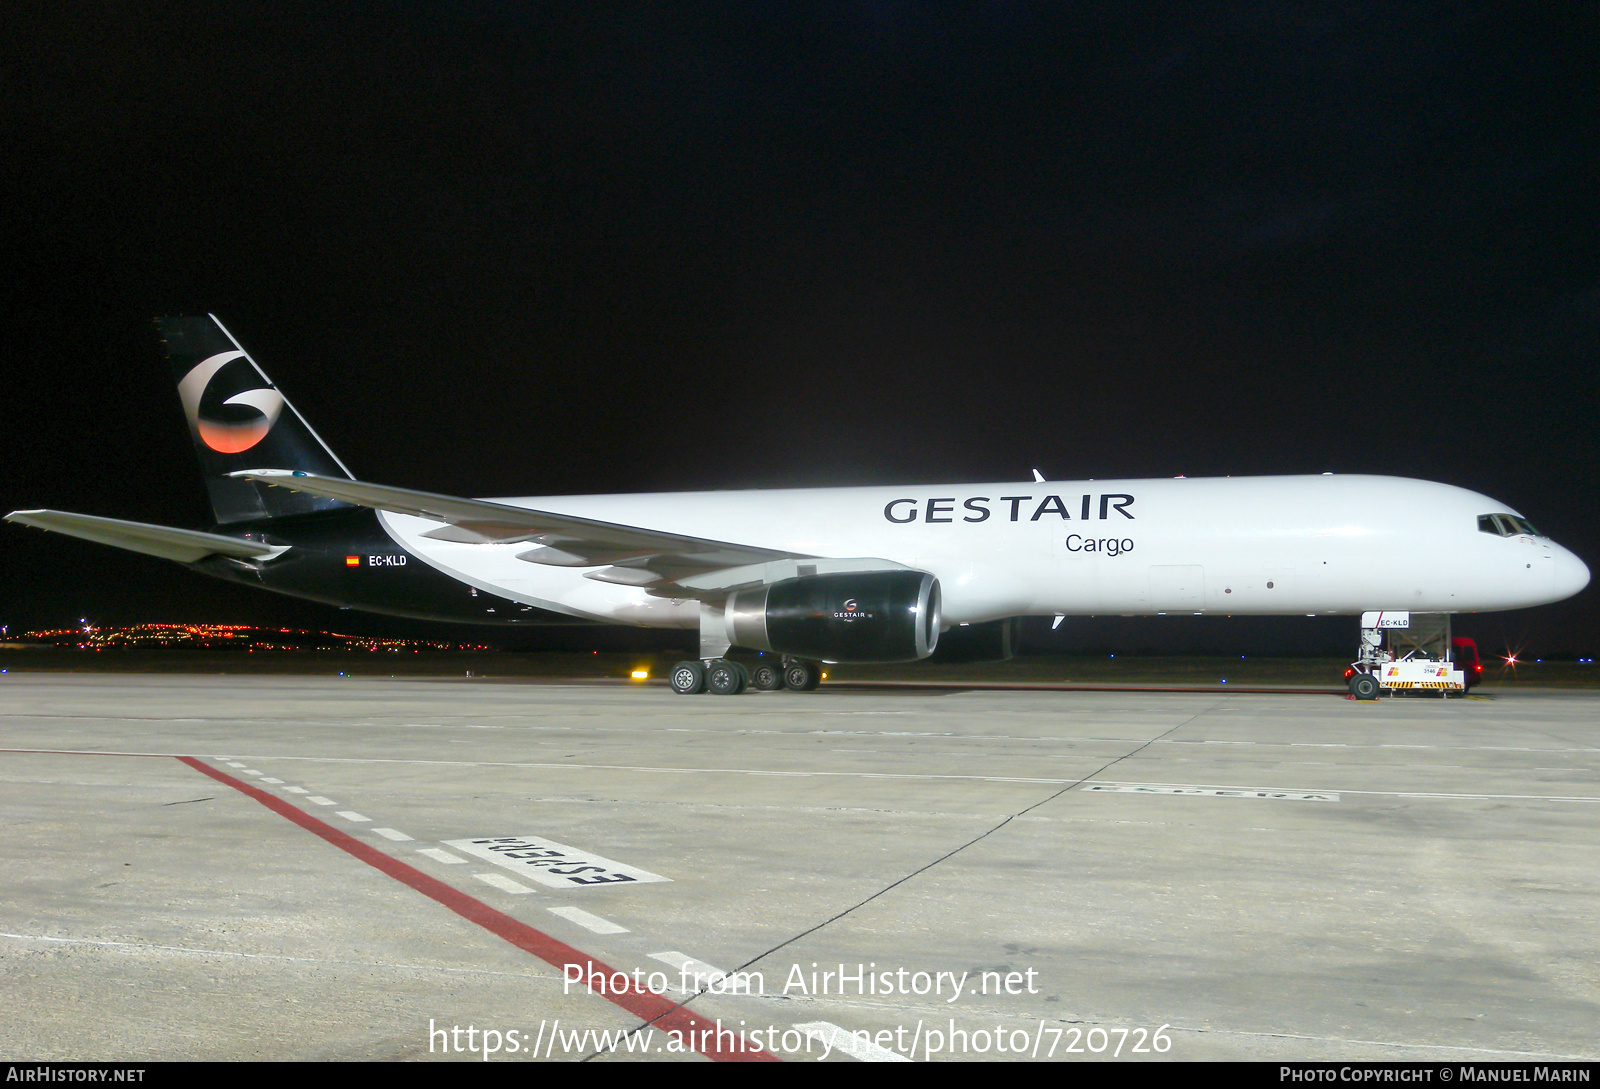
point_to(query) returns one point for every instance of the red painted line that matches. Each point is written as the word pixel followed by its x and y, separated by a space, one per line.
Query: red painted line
pixel 643 1003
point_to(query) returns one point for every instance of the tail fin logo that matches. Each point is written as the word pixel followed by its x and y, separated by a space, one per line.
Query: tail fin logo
pixel 228 436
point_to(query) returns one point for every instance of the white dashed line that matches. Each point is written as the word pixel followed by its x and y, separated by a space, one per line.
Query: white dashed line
pixel 1211 792
pixel 439 855
pixel 251 771
pixel 394 834
pixel 233 764
pixel 693 974
pixel 351 815
pixel 840 1039
pixel 317 799
pixel 274 782
pixel 297 790
pixel 501 882
pixel 588 921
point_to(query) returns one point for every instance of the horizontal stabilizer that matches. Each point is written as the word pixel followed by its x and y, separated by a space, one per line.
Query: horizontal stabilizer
pixel 182 545
pixel 566 540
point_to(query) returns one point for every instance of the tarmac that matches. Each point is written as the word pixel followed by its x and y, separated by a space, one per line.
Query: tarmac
pixel 269 867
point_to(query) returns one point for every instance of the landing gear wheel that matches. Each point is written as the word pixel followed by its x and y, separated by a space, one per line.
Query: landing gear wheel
pixel 1364 686
pixel 688 678
pixel 725 678
pixel 801 676
pixel 766 678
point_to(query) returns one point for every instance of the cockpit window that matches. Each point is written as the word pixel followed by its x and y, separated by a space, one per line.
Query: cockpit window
pixel 1506 525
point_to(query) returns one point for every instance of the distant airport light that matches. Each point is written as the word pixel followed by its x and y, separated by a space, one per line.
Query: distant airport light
pixel 640 674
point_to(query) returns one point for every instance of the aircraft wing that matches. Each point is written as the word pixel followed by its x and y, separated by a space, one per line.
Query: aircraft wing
pixel 182 545
pixel 629 555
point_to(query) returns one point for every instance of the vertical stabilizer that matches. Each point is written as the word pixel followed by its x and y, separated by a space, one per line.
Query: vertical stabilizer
pixel 239 420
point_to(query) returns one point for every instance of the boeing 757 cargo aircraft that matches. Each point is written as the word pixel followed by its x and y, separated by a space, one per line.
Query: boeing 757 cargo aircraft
pixel 815 575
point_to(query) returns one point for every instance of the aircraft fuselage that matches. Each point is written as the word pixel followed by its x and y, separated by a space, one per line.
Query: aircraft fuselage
pixel 1234 546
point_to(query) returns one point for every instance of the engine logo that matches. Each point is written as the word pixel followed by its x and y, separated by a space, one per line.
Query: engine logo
pixel 851 611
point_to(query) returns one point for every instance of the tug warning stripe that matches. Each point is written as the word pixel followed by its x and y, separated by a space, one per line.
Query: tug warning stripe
pixel 643 1003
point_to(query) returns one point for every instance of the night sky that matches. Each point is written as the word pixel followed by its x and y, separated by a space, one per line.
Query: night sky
pixel 490 249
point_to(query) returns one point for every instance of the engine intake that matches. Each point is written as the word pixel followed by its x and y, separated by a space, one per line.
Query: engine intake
pixel 857 616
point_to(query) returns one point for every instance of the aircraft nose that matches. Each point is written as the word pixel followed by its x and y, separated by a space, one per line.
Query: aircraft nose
pixel 1570 575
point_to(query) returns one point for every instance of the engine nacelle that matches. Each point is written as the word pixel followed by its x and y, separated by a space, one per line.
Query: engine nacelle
pixel 855 616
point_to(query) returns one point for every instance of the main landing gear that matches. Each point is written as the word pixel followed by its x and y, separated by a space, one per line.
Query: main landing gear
pixel 722 677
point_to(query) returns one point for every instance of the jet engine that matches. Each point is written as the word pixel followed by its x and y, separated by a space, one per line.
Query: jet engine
pixel 856 616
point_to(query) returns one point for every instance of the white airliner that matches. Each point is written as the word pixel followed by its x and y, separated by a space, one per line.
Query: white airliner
pixel 817 575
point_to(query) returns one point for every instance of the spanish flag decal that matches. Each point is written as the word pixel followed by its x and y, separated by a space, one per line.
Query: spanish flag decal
pixel 352 561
